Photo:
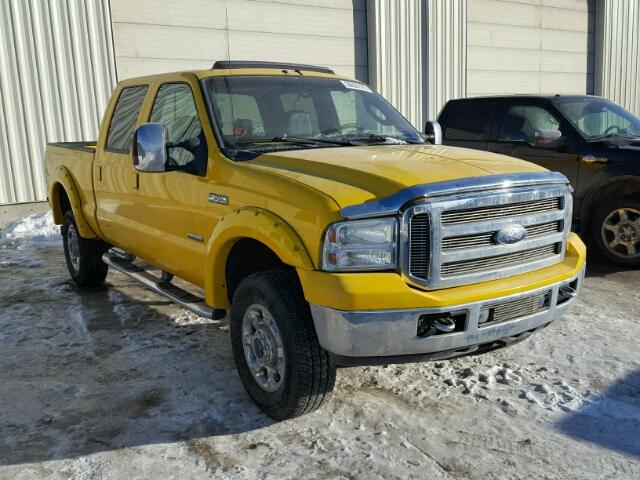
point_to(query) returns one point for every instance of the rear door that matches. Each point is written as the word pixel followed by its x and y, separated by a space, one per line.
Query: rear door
pixel 466 124
pixel 514 132
pixel 113 167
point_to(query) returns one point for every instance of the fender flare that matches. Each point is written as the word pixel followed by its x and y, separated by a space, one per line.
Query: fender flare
pixel 619 185
pixel 257 224
pixel 65 180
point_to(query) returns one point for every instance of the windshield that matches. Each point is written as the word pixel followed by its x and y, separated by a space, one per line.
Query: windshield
pixel 254 114
pixel 599 118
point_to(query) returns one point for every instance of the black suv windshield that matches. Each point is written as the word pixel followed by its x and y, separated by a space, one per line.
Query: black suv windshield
pixel 597 118
pixel 254 114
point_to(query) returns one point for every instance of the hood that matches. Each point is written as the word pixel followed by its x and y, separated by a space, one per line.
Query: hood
pixel 353 175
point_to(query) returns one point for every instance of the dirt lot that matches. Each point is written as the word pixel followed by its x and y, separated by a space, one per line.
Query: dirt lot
pixel 118 383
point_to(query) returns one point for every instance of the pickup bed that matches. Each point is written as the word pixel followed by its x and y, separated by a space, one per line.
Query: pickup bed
pixel 306 208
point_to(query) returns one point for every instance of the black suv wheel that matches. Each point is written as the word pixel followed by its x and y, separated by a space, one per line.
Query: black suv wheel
pixel 616 231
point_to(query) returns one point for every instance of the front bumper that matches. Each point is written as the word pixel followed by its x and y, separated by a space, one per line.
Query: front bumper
pixel 391 333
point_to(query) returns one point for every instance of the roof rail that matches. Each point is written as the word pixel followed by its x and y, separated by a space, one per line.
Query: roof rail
pixel 228 64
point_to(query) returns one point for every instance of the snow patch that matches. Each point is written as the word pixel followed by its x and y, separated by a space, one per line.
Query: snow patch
pixel 34 229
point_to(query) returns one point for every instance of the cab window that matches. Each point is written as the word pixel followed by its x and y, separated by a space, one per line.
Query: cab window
pixel 521 122
pixel 123 120
pixel 175 108
pixel 467 122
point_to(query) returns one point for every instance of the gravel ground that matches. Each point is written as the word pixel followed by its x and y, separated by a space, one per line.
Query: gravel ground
pixel 117 383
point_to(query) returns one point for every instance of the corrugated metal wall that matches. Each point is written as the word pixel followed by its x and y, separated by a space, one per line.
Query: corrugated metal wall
pixel 398 55
pixel 57 65
pixel 417 54
pixel 447 75
pixel 154 37
pixel 618 52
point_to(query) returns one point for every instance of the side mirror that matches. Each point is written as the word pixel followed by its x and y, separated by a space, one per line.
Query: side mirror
pixel 150 153
pixel 433 131
pixel 547 139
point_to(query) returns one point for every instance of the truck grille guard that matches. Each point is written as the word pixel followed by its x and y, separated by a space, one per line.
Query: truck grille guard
pixel 448 230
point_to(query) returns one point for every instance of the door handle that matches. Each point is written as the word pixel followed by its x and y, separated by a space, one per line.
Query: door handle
pixel 592 159
pixel 136 180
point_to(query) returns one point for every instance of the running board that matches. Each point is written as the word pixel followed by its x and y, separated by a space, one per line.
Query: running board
pixel 177 295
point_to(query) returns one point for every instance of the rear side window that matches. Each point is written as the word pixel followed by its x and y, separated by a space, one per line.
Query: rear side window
pixel 123 120
pixel 467 122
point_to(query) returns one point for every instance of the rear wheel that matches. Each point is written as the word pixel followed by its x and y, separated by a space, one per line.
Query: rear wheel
pixel 280 362
pixel 616 231
pixel 83 256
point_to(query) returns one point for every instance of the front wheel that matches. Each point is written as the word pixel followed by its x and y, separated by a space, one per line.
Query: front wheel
pixel 280 362
pixel 616 231
pixel 83 256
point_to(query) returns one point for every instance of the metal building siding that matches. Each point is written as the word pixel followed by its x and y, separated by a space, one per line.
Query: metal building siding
pixel 397 54
pixel 57 65
pixel 618 52
pixel 187 34
pixel 417 54
pixel 447 75
pixel 539 46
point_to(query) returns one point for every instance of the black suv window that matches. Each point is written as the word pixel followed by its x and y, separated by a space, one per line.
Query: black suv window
pixel 521 122
pixel 467 122
pixel 175 107
pixel 123 120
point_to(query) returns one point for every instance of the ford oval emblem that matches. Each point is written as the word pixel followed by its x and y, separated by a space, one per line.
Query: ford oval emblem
pixel 511 234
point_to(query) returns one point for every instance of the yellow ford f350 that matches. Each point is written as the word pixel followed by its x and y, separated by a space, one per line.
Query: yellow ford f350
pixel 308 208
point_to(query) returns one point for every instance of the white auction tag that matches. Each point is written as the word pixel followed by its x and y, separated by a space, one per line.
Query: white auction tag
pixel 355 85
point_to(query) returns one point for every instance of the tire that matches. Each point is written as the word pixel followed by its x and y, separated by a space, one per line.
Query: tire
pixel 306 372
pixel 615 231
pixel 83 256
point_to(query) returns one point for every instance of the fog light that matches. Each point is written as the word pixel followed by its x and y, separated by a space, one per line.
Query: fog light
pixel 441 323
pixel 567 291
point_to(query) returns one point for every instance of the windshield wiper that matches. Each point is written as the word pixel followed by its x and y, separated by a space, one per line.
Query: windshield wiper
pixel 373 138
pixel 299 141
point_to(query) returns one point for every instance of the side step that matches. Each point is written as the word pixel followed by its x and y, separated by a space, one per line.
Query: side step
pixel 177 295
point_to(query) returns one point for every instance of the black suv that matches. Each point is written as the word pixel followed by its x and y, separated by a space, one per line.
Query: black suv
pixel 591 140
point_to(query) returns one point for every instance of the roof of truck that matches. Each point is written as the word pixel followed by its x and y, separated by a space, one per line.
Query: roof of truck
pixel 239 68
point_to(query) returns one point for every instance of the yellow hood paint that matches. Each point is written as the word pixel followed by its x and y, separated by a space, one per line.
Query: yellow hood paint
pixel 352 175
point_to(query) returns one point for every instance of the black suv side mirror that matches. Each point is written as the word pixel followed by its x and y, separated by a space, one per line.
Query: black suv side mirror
pixel 549 139
pixel 433 131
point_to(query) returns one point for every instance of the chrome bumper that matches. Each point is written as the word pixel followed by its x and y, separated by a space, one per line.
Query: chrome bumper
pixel 383 333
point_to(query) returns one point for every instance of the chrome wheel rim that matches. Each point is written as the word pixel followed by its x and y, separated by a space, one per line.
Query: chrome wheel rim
pixel 621 232
pixel 263 347
pixel 73 247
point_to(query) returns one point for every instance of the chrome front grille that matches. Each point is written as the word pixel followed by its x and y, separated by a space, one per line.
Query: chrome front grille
pixel 452 240
pixel 512 309
pixel 418 239
pixel 501 211
pixel 508 259
pixel 487 239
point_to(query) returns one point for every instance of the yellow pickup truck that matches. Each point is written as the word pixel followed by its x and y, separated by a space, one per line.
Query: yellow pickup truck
pixel 307 207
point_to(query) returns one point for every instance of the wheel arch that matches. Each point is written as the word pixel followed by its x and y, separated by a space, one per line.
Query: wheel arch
pixel 618 187
pixel 245 232
pixel 64 194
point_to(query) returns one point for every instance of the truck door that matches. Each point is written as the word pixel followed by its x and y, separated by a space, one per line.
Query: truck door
pixel 517 128
pixel 113 168
pixel 169 211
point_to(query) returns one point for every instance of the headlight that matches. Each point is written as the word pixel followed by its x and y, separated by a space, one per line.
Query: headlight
pixel 361 245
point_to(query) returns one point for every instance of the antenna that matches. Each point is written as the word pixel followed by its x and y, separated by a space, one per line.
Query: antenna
pixel 226 14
